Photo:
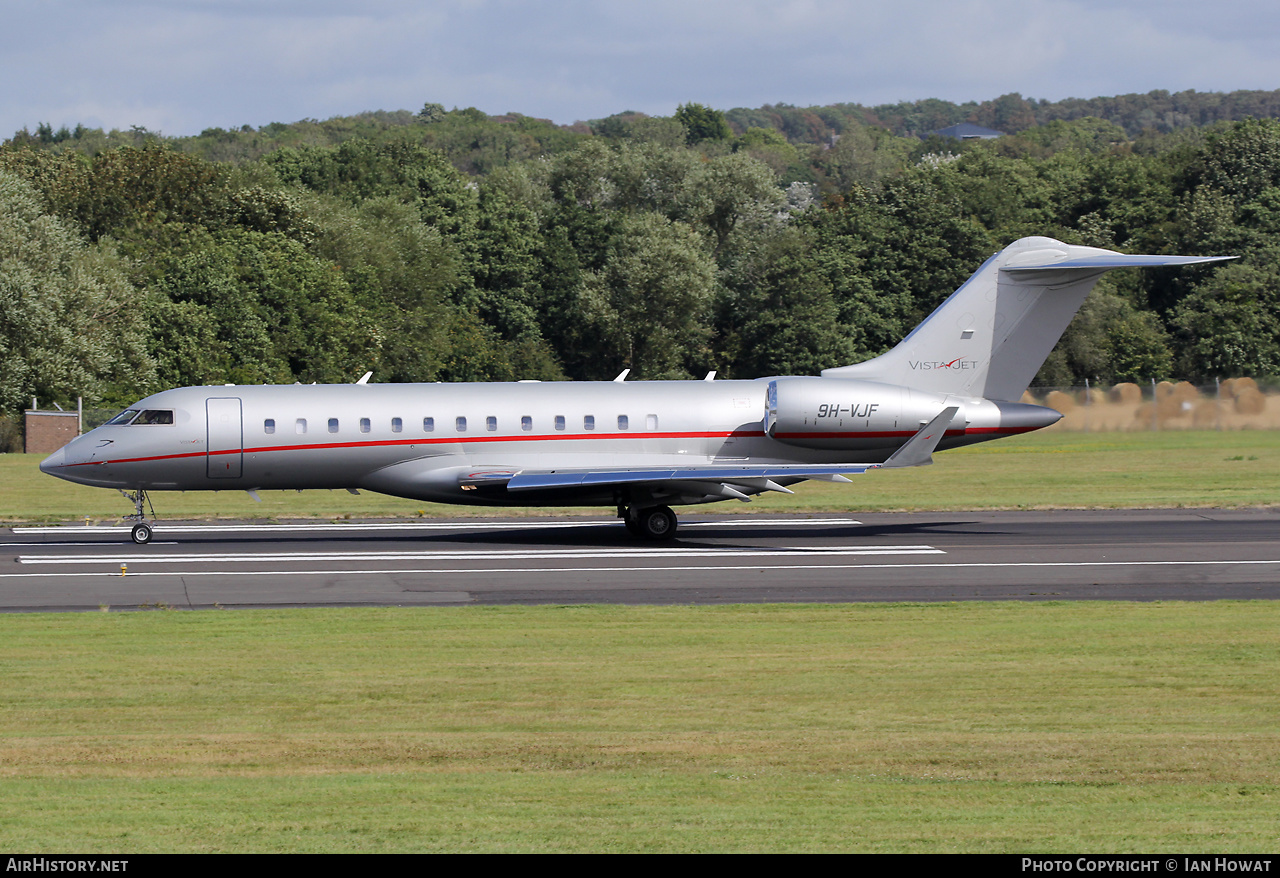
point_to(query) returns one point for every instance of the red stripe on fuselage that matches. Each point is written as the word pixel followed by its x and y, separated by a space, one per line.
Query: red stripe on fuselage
pixel 455 440
pixel 462 440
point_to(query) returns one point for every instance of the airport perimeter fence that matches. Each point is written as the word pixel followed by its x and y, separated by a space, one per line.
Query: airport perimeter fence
pixel 1226 404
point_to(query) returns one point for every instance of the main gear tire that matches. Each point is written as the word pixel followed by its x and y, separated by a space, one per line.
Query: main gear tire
pixel 657 523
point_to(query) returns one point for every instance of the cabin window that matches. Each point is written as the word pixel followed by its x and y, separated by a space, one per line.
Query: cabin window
pixel 269 425
pixel 428 425
pixel 121 419
pixel 559 422
pixel 300 426
pixel 491 424
pixel 160 416
pixel 588 422
pixel 526 423
pixel 461 424
pixel 396 425
pixel 623 422
pixel 365 425
pixel 651 422
pixel 333 425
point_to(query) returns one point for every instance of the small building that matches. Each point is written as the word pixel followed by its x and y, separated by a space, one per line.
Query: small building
pixel 969 131
pixel 46 432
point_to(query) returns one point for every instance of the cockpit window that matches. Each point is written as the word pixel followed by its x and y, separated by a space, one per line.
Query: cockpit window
pixel 123 418
pixel 155 416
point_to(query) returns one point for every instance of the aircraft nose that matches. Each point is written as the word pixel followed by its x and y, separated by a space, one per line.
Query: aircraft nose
pixel 53 462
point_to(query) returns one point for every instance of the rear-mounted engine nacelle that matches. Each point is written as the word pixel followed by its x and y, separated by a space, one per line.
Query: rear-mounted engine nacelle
pixel 831 413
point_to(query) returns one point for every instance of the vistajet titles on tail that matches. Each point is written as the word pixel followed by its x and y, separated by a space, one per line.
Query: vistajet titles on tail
pixel 640 446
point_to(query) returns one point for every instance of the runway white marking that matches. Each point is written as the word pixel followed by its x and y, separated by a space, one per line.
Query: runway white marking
pixel 60 545
pixel 746 521
pixel 472 555
pixel 771 522
pixel 436 571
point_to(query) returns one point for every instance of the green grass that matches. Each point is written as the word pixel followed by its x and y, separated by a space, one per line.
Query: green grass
pixel 945 727
pixel 976 727
pixel 1036 471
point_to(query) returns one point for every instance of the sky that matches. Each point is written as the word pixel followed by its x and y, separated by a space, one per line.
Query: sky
pixel 180 66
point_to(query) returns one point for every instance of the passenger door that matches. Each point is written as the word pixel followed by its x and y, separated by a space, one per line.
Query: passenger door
pixel 225 448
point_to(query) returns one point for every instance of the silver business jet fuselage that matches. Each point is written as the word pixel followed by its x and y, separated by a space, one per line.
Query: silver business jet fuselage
pixel 640 446
pixel 465 443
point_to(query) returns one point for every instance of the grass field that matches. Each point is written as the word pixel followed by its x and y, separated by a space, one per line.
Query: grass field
pixel 1049 727
pixel 1087 727
pixel 1035 471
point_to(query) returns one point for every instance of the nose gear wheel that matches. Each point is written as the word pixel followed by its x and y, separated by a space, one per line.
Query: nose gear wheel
pixel 143 529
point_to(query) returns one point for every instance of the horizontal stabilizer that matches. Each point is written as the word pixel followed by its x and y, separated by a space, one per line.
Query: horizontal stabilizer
pixel 1108 261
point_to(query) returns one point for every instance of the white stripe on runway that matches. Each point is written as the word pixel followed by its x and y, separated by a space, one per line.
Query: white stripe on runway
pixel 745 521
pixel 61 545
pixel 144 557
pixel 435 571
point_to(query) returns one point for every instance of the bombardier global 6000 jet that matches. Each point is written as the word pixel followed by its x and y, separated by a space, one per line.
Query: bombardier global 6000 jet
pixel 639 446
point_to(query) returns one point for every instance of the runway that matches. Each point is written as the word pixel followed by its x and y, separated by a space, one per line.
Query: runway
pixel 1078 555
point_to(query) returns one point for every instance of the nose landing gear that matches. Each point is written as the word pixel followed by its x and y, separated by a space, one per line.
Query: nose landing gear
pixel 142 529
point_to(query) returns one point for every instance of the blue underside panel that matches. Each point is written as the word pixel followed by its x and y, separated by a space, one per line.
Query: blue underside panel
pixel 527 481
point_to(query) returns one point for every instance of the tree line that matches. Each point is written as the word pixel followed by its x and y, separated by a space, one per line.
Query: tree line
pixel 454 246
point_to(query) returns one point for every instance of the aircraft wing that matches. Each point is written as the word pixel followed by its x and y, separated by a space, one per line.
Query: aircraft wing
pixel 529 480
pixel 726 480
pixel 729 482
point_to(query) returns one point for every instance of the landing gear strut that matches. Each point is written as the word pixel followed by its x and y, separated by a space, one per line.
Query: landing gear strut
pixel 652 522
pixel 142 529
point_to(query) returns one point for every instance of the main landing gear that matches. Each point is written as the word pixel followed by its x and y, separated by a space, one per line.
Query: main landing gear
pixel 652 522
pixel 143 530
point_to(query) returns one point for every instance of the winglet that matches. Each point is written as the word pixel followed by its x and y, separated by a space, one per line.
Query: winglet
pixel 918 450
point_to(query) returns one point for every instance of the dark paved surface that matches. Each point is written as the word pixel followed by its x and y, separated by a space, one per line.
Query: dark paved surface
pixel 1115 555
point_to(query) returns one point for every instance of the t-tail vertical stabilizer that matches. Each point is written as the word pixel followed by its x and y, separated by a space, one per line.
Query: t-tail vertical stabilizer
pixel 990 337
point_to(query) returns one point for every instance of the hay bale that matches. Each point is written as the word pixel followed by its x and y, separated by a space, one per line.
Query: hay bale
pixel 1234 386
pixel 1169 408
pixel 1125 393
pixel 1185 391
pixel 1206 415
pixel 1059 401
pixel 1164 390
pixel 1249 400
pixel 1028 398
